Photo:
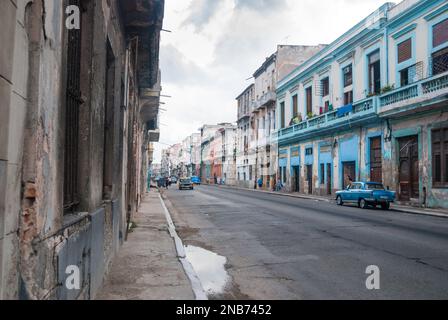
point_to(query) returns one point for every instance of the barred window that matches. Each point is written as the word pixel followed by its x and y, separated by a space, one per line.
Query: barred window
pixel 72 103
pixel 348 76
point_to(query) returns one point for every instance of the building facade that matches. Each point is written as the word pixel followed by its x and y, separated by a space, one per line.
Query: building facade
pixel 78 111
pixel 244 162
pixel 256 151
pixel 218 153
pixel 372 106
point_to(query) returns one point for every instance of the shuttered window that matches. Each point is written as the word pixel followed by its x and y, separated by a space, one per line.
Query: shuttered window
pixel 440 158
pixel 282 115
pixel 309 100
pixel 405 50
pixel 295 107
pixel 440 33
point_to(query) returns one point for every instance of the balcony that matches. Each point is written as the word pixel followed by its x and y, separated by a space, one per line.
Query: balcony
pixel 418 96
pixel 264 100
pixel 362 111
pixel 153 130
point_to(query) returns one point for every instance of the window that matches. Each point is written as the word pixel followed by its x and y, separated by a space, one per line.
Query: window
pixel 440 157
pixel 440 61
pixel 348 76
pixel 282 115
pixel 348 97
pixel 71 131
pixel 325 83
pixel 309 100
pixel 374 72
pixel 309 151
pixel 404 51
pixel 109 125
pixel 327 106
pixel 440 33
pixel 404 77
pixel 322 173
pixel 295 107
pixel 283 174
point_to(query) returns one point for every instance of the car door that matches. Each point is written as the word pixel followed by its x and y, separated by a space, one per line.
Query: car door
pixel 355 190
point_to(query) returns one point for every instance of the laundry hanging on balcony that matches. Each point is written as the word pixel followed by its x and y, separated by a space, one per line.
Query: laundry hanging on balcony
pixel 342 111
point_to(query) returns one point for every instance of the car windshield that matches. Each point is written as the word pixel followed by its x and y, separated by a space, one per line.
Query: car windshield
pixel 185 180
pixel 374 186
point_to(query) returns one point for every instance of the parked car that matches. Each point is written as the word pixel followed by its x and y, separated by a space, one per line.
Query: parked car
pixel 366 194
pixel 196 180
pixel 173 179
pixel 185 183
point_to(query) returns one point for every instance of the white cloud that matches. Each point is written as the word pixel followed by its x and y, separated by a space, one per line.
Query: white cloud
pixel 217 44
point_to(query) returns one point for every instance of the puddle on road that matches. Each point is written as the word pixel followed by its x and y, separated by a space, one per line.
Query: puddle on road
pixel 210 269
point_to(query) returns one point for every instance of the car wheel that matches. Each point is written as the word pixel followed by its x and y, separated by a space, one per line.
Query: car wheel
pixel 385 206
pixel 363 204
pixel 339 201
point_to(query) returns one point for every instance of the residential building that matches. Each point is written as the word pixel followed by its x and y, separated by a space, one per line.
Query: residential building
pixel 79 109
pixel 244 168
pixel 262 151
pixel 374 107
pixel 218 153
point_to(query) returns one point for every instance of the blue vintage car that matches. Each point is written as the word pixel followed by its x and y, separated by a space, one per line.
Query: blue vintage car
pixel 366 194
pixel 195 180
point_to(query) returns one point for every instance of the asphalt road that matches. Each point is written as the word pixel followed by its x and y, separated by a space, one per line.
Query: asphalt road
pixel 286 248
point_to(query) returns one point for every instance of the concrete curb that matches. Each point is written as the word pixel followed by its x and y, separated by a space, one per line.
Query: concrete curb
pixel 409 210
pixel 196 285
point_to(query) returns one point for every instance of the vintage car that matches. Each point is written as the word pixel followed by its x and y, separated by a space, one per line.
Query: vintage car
pixel 185 183
pixel 195 180
pixel 366 194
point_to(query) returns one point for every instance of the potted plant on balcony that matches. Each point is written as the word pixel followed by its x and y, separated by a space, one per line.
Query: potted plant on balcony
pixel 387 88
pixel 310 115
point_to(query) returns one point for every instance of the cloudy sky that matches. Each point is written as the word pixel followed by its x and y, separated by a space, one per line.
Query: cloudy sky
pixel 215 45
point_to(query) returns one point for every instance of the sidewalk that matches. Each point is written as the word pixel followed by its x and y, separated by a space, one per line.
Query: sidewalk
pixel 147 266
pixel 394 207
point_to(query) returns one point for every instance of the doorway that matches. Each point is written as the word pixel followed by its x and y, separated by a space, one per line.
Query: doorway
pixel 309 178
pixel 348 173
pixel 329 181
pixel 376 159
pixel 296 178
pixel 408 171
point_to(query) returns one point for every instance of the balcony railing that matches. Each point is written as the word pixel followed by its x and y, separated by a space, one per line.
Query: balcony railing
pixel 359 109
pixel 270 96
pixel 418 89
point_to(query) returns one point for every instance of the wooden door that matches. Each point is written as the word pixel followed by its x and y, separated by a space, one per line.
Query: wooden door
pixel 309 178
pixel 329 181
pixel 349 173
pixel 408 175
pixel 376 159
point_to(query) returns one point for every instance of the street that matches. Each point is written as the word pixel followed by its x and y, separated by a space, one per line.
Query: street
pixel 287 248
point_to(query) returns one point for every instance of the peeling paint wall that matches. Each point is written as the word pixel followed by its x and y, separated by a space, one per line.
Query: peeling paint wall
pixel 38 240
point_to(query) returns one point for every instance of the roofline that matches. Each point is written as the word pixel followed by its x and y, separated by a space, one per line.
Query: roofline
pixel 244 91
pixel 333 45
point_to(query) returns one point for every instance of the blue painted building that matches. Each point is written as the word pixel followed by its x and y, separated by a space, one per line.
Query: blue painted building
pixel 372 105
